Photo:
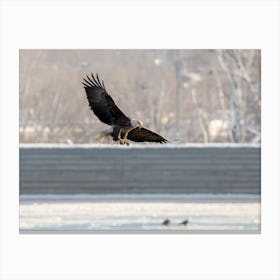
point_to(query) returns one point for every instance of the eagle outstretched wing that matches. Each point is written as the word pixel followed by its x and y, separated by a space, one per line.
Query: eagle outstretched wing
pixel 102 104
pixel 145 135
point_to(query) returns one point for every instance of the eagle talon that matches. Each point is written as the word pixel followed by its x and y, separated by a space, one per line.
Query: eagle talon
pixel 127 143
pixel 122 142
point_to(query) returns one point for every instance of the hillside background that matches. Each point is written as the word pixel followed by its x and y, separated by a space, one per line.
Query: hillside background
pixel 191 95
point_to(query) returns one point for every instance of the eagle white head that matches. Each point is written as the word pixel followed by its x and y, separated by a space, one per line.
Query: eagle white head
pixel 136 123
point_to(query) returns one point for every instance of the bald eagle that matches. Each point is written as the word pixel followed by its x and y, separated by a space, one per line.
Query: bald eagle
pixel 122 127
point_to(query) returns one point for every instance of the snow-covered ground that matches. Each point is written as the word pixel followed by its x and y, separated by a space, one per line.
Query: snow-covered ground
pixel 144 145
pixel 139 212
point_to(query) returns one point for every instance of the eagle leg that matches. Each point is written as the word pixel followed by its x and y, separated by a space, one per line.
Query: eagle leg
pixel 122 141
pixel 125 139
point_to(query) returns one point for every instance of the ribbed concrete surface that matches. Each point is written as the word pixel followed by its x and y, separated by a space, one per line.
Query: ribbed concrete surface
pixel 155 169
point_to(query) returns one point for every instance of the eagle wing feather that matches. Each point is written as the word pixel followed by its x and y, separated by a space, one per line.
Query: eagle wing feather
pixel 102 104
pixel 145 135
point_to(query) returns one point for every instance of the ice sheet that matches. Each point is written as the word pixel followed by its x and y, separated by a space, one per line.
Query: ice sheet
pixel 140 212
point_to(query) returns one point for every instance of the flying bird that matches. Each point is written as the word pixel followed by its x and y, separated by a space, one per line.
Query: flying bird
pixel 122 128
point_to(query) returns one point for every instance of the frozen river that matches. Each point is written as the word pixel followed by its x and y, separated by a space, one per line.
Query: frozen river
pixel 140 213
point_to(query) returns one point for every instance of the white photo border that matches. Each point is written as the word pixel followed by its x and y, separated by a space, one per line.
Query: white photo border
pixel 139 24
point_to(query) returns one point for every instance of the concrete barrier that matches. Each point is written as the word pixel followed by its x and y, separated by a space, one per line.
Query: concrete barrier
pixel 93 169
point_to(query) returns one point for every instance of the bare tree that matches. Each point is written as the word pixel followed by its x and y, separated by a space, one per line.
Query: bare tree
pixel 243 90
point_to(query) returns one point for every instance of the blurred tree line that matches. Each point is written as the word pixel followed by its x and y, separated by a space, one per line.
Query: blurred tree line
pixel 191 95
